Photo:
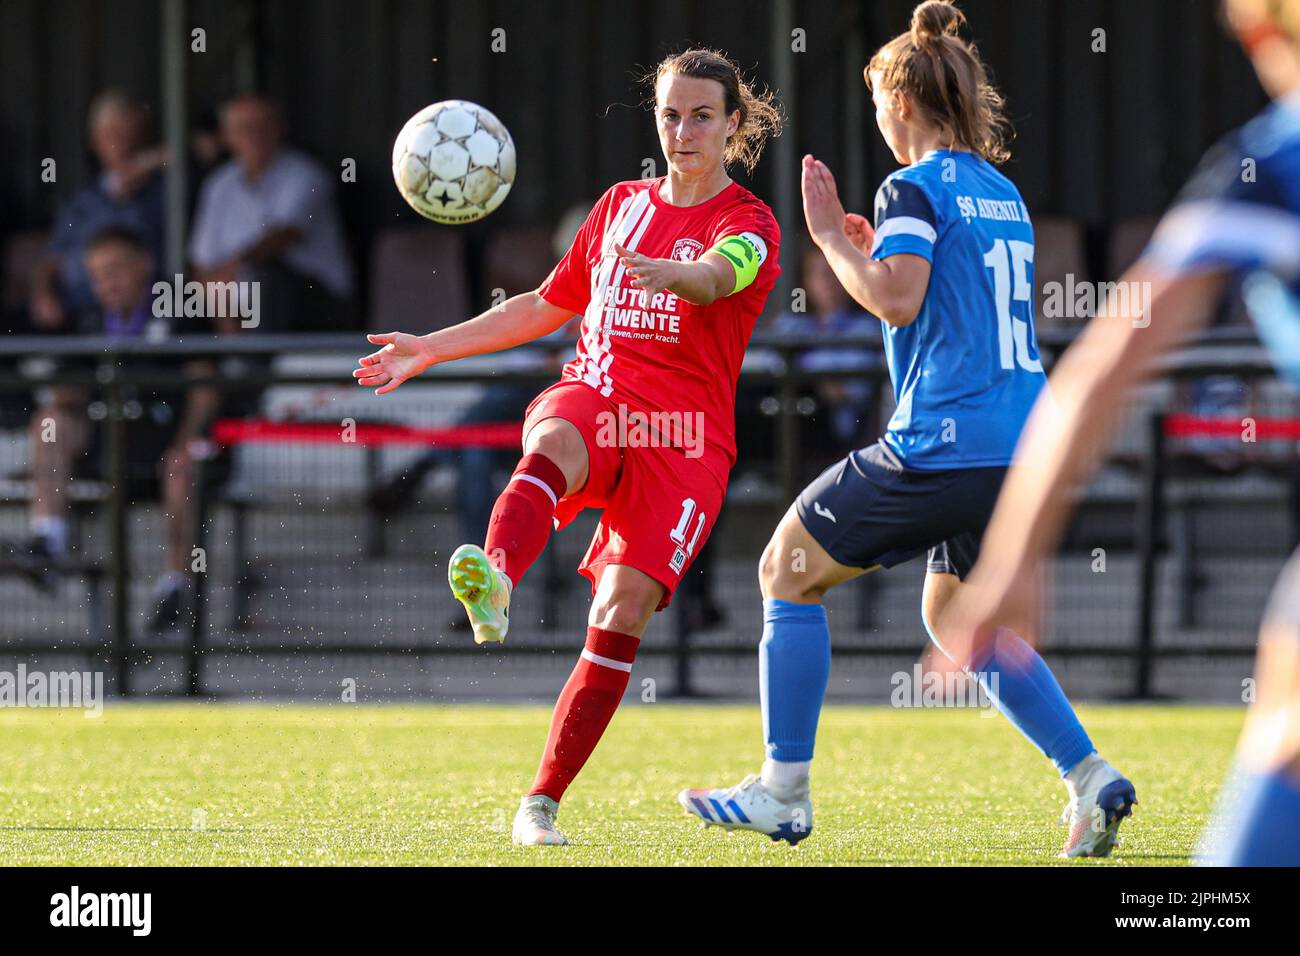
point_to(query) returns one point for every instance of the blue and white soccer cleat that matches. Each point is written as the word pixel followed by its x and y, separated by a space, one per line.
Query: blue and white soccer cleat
pixel 749 805
pixel 1094 815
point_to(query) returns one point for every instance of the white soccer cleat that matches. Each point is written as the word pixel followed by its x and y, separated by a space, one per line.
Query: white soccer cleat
pixel 749 805
pixel 483 590
pixel 1105 797
pixel 535 823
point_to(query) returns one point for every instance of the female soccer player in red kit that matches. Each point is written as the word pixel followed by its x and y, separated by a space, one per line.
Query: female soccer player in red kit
pixel 669 275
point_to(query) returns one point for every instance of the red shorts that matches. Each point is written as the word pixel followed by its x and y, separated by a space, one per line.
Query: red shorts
pixel 659 504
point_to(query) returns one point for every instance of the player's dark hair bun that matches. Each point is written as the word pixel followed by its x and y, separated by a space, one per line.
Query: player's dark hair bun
pixel 934 19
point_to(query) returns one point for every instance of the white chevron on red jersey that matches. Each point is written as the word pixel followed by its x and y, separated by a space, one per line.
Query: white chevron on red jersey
pixel 662 353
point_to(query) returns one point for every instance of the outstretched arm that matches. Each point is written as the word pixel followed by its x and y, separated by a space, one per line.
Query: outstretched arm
pixel 520 319
pixel 1067 432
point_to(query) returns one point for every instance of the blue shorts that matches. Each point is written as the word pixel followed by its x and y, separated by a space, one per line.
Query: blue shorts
pixel 868 510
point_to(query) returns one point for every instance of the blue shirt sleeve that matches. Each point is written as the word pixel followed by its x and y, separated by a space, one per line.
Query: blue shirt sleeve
pixel 1239 212
pixel 905 220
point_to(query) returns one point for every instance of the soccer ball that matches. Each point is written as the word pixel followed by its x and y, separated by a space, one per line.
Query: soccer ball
pixel 454 162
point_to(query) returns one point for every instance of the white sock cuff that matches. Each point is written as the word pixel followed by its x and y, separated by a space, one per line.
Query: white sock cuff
pixel 785 775
pixel 609 662
pixel 1082 770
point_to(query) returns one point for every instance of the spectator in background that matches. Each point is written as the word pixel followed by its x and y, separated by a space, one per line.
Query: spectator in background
pixel 127 194
pixel 159 437
pixel 121 271
pixel 173 599
pixel 160 434
pixel 268 215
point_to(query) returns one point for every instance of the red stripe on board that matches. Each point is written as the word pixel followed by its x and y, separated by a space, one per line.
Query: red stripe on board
pixel 1195 426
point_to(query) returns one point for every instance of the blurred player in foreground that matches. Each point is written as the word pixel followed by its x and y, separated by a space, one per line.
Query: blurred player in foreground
pixel 1226 225
pixel 670 275
pixel 948 269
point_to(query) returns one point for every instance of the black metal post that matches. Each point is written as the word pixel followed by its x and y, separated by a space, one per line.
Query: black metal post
pixel 198 624
pixel 1150 512
pixel 119 556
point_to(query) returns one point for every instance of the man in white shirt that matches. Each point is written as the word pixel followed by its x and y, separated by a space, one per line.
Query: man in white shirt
pixel 268 215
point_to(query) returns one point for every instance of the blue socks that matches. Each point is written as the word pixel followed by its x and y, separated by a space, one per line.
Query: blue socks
pixel 794 666
pixel 1260 818
pixel 1028 695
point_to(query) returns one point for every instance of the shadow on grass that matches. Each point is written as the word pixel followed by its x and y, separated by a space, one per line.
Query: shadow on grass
pixel 48 829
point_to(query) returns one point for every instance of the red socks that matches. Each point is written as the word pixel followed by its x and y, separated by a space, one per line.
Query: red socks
pixel 584 709
pixel 521 523
pixel 522 517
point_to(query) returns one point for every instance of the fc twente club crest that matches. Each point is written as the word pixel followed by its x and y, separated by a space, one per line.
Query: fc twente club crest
pixel 687 250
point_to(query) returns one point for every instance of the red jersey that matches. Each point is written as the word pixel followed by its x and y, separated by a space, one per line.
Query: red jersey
pixel 665 354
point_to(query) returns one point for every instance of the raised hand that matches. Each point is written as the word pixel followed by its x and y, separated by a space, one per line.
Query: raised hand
pixel 988 600
pixel 403 356
pixel 822 209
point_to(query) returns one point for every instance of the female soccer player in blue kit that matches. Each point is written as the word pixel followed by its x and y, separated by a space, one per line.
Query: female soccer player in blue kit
pixel 1225 226
pixel 948 268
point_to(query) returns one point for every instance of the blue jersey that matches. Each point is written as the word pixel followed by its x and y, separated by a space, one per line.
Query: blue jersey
pixel 966 371
pixel 1240 214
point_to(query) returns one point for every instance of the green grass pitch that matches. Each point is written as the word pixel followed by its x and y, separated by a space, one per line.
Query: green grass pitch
pixel 166 784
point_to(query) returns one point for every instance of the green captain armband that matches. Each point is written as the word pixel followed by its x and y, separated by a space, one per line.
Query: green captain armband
pixel 746 252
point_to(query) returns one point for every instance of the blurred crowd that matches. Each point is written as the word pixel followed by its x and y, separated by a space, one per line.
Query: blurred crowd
pixel 264 217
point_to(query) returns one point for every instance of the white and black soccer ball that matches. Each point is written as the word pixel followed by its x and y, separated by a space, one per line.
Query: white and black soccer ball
pixel 454 162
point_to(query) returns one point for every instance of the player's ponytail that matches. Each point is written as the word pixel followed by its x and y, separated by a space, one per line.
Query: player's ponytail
pixel 760 113
pixel 945 77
